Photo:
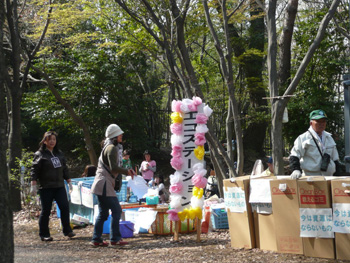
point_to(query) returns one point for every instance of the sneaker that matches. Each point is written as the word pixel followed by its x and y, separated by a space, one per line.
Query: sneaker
pixel 119 243
pixel 99 244
pixel 70 234
pixel 46 239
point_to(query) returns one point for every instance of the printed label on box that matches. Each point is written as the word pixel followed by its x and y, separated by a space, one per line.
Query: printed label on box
pixel 235 200
pixel 289 244
pixel 316 222
pixel 341 218
pixel 313 199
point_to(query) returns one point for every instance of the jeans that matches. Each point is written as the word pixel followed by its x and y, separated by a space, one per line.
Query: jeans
pixel 47 196
pixel 104 204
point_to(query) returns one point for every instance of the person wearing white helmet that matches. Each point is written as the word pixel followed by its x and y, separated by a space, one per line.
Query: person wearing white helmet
pixel 109 167
pixel 315 152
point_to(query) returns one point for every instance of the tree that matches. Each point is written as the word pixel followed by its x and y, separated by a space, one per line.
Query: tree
pixel 286 85
pixel 18 55
pixel 6 226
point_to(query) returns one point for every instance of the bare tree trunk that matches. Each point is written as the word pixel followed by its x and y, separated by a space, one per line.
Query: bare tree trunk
pixel 227 71
pixel 279 102
pixel 75 117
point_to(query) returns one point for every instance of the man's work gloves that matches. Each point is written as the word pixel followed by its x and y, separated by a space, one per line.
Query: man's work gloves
pixel 294 164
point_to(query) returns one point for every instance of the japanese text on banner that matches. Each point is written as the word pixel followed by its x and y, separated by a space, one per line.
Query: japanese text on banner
pixel 341 218
pixel 316 222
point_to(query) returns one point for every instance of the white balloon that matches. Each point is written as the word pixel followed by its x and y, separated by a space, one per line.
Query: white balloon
pixel 197 166
pixel 201 172
pixel 175 201
pixel 175 178
pixel 195 202
pixel 207 110
pixel 173 105
pixel 176 140
pixel 202 128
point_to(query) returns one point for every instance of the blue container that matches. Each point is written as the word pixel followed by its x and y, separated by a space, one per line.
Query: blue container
pixel 133 199
pixel 58 211
pixel 219 218
pixel 122 194
pixel 152 200
pixel 81 210
pixel 126 228
pixel 106 225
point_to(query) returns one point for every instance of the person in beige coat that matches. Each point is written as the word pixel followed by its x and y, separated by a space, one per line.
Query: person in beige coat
pixel 109 167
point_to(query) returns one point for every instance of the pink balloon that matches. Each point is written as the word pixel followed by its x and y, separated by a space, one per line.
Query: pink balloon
pixel 176 163
pixel 173 216
pixel 201 118
pixel 199 181
pixel 176 128
pixel 175 188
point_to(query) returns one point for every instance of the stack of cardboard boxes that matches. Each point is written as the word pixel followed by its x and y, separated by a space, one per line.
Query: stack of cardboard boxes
pixel 303 219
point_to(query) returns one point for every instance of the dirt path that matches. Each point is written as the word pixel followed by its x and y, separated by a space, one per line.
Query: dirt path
pixel 214 247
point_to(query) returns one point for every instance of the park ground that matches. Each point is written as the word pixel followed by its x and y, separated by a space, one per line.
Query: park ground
pixel 214 247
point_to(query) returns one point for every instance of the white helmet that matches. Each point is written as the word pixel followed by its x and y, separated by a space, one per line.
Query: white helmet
pixel 113 131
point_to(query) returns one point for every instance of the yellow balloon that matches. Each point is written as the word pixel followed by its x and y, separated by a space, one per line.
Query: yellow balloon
pixel 198 213
pixel 199 152
pixel 195 191
pixel 176 117
pixel 200 194
pixel 192 214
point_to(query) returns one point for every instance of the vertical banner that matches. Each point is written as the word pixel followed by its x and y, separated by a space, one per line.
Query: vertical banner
pixel 189 119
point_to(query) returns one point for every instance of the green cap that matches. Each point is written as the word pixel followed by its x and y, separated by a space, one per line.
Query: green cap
pixel 318 114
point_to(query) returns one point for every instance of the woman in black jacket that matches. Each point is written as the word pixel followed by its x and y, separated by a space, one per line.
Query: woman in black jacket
pixel 50 169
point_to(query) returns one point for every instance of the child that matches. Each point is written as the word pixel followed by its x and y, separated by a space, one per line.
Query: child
pixel 90 170
pixel 126 161
pixel 158 182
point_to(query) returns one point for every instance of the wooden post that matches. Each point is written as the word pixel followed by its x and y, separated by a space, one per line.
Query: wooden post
pixel 199 230
pixel 177 230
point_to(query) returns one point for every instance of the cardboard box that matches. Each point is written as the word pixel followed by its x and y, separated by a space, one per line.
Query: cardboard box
pixel 315 196
pixel 264 223
pixel 285 203
pixel 240 217
pixel 341 219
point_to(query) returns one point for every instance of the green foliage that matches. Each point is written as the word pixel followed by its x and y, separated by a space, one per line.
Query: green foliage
pixel 320 87
pixel 21 176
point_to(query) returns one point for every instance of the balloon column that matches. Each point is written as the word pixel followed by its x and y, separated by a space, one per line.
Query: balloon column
pixel 189 119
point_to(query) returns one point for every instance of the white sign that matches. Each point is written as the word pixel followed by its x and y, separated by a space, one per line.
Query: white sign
pixel 87 198
pixel 260 191
pixel 262 208
pixel 341 218
pixel 75 195
pixel 316 222
pixel 235 200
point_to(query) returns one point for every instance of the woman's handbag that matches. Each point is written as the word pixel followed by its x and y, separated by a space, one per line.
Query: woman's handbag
pixel 118 180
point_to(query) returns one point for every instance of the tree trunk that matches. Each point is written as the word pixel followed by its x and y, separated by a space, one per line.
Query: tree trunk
pixel 15 147
pixel 6 226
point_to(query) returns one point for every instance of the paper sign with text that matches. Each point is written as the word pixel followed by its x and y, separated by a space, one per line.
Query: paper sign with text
pixel 316 222
pixel 235 200
pixel 341 218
